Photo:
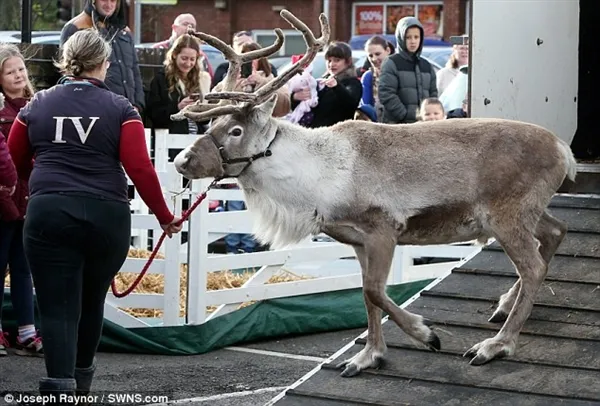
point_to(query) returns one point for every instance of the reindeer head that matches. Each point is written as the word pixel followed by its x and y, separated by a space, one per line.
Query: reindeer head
pixel 243 128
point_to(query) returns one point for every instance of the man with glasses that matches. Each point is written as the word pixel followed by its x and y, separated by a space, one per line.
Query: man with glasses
pixel 180 26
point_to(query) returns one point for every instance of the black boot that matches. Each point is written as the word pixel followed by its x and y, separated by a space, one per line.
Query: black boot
pixel 58 391
pixel 84 377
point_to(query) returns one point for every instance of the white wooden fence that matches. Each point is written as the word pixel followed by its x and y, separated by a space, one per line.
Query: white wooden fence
pixel 329 265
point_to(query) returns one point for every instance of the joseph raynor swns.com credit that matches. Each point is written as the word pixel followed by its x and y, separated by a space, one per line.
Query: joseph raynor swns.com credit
pixel 116 398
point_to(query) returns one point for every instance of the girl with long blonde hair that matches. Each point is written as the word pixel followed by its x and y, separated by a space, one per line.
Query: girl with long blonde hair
pixel 16 90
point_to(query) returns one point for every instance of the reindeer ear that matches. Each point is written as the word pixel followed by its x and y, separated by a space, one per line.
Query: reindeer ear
pixel 268 106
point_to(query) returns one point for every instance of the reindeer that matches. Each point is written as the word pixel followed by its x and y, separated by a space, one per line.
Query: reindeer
pixel 374 186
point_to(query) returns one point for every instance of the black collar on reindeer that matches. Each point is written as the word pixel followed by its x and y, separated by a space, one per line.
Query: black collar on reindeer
pixel 248 159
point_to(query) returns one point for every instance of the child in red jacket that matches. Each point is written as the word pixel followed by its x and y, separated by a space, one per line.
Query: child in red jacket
pixel 8 174
pixel 16 90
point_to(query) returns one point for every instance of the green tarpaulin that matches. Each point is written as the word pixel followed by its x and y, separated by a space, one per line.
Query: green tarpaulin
pixel 275 318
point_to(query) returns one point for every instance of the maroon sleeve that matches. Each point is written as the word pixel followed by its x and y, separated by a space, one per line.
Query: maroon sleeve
pixel 20 149
pixel 136 161
pixel 8 173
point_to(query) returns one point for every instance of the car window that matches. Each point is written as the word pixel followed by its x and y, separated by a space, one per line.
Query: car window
pixel 439 56
pixel 215 57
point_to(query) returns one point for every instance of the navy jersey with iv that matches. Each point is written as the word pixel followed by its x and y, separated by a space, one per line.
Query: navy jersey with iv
pixel 75 130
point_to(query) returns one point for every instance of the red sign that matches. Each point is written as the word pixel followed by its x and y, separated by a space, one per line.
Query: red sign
pixel 368 19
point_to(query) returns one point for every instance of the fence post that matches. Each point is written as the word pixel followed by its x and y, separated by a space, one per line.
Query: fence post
pixel 197 255
pixel 161 149
pixel 402 260
pixel 172 279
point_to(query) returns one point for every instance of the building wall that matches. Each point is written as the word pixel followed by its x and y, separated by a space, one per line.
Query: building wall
pixel 259 15
pixel 454 17
pixel 239 15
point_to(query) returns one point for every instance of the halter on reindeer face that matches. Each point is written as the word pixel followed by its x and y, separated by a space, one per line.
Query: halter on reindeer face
pixel 242 129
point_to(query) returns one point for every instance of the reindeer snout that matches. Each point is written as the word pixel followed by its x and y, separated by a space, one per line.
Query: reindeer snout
pixel 181 161
pixel 199 160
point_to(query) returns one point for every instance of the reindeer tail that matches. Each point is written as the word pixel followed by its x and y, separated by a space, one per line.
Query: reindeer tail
pixel 570 163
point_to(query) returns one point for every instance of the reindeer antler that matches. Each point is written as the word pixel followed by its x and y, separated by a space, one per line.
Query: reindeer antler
pixel 203 111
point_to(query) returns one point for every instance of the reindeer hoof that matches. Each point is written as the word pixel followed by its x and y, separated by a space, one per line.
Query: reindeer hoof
pixel 499 316
pixel 488 350
pixel 482 359
pixel 362 360
pixel 343 364
pixel 350 370
pixel 434 342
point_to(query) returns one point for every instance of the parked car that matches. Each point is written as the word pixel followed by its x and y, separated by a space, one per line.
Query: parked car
pixel 279 61
pixel 37 37
pixel 439 55
pixel 214 56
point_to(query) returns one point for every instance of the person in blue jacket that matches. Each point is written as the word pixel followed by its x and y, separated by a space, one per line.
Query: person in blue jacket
pixel 378 49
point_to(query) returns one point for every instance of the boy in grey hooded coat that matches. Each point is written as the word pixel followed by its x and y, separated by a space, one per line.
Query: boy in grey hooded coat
pixel 406 78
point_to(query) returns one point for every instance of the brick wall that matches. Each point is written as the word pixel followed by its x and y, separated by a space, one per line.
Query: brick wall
pixel 454 17
pixel 258 14
pixel 239 15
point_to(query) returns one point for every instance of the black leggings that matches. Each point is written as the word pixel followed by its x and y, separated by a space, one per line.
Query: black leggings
pixel 75 245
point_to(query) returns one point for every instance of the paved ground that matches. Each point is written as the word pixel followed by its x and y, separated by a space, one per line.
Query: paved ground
pixel 246 376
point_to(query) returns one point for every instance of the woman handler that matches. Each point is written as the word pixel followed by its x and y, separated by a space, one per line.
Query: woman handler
pixel 78 223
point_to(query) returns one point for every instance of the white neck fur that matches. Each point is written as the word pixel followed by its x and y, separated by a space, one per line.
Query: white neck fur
pixel 309 170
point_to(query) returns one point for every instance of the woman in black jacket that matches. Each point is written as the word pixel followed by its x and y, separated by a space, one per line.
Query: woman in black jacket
pixel 183 81
pixel 339 92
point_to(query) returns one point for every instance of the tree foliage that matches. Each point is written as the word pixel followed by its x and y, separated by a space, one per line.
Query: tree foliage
pixel 43 15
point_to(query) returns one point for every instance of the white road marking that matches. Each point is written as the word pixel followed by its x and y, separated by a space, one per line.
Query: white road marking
pixel 221 396
pixel 276 354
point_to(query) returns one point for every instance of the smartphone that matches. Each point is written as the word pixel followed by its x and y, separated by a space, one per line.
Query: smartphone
pixel 246 69
pixel 194 96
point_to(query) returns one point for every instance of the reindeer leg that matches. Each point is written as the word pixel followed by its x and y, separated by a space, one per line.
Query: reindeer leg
pixel 380 252
pixel 530 254
pixel 550 232
pixel 375 252
pixel 372 356
pixel 506 303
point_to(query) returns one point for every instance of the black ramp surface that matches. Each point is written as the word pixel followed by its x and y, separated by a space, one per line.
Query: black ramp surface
pixel 376 389
pixel 575 244
pixel 561 267
pixel 578 219
pixel 571 294
pixel 557 360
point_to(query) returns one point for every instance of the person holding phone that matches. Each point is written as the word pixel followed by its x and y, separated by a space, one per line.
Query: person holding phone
pixel 339 90
pixel 181 82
